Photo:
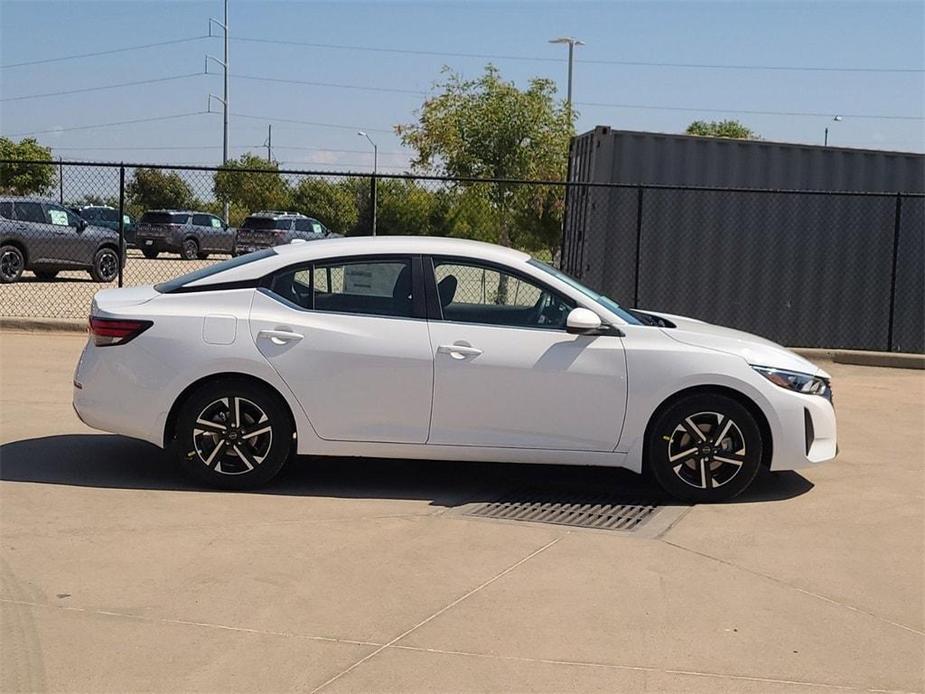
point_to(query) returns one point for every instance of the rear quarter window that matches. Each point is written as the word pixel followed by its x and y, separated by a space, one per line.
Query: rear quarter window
pixel 178 283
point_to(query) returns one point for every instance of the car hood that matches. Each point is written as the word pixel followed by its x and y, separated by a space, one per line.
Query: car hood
pixel 753 349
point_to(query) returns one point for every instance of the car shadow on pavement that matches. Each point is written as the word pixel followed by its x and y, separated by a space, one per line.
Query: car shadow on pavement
pixel 116 462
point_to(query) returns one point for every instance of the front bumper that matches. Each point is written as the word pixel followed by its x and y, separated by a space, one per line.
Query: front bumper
pixel 806 431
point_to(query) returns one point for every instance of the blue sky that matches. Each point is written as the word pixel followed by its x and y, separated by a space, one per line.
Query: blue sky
pixel 872 35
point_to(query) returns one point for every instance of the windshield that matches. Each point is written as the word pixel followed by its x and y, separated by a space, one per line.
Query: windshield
pixel 209 270
pixel 604 301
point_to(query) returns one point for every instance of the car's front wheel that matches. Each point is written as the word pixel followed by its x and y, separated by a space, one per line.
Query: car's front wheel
pixel 149 253
pixel 105 265
pixel 11 264
pixel 233 434
pixel 704 448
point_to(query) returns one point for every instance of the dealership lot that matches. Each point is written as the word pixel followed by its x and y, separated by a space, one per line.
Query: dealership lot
pixel 120 575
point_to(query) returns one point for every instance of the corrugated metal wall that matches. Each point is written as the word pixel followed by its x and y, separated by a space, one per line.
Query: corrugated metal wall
pixel 814 270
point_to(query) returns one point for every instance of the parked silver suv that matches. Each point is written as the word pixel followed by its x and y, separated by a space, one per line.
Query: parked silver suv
pixel 46 238
pixel 274 228
pixel 189 233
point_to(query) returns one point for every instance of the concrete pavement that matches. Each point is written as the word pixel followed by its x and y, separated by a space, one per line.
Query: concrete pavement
pixel 363 576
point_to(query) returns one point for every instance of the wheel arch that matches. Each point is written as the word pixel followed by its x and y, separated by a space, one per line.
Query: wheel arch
pixel 171 422
pixel 767 440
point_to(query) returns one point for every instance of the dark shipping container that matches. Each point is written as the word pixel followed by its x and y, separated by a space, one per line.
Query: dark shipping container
pixel 808 246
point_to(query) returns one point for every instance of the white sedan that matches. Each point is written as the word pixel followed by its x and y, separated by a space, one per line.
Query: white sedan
pixel 431 348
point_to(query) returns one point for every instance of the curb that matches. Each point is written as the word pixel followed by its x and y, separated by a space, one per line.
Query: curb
pixel 895 360
pixel 43 325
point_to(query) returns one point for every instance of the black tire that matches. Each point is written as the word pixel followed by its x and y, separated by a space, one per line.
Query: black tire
pixel 12 264
pixel 190 249
pixel 684 458
pixel 105 265
pixel 149 253
pixel 197 447
pixel 202 256
pixel 45 274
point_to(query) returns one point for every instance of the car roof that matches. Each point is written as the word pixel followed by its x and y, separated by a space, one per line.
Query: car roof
pixel 181 212
pixel 273 214
pixel 322 249
pixel 19 198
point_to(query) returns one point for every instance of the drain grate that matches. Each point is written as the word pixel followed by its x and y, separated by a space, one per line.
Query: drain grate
pixel 577 509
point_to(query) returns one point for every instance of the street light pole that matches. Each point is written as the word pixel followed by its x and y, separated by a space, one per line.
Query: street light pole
pixel 372 190
pixel 224 99
pixel 572 42
pixel 826 140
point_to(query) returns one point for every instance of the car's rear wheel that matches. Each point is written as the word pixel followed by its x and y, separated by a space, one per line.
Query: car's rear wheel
pixel 149 253
pixel 45 274
pixel 233 434
pixel 11 264
pixel 704 448
pixel 190 249
pixel 105 265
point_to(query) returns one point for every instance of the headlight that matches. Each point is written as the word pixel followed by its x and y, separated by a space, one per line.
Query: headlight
pixel 796 381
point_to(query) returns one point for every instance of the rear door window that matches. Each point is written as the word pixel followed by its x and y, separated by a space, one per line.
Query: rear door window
pixel 29 212
pixel 202 220
pixel 164 218
pixel 6 210
pixel 109 215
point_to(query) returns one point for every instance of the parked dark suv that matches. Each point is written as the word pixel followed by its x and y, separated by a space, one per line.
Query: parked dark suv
pixel 106 216
pixel 273 228
pixel 191 234
pixel 46 238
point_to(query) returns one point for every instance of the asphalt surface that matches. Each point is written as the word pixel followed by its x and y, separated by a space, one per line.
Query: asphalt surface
pixel 366 576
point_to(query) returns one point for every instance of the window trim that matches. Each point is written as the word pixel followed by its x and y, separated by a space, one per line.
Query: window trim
pixel 418 308
pixel 435 310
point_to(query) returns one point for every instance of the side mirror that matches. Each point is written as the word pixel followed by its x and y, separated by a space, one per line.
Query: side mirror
pixel 81 224
pixel 581 321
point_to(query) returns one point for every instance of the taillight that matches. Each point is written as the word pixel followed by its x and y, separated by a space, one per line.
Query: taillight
pixel 116 331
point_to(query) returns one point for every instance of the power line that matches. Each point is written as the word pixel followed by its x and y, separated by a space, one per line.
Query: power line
pixel 109 52
pixel 312 123
pixel 750 112
pixel 629 63
pixel 103 87
pixel 109 125
pixel 330 84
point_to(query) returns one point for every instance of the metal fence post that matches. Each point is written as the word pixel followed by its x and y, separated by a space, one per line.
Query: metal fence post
pixel 373 202
pixel 897 224
pixel 121 220
pixel 639 197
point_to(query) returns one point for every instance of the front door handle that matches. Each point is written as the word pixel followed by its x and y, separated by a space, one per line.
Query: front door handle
pixel 459 351
pixel 280 337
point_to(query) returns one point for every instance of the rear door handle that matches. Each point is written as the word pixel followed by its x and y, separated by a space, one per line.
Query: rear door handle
pixel 459 351
pixel 280 337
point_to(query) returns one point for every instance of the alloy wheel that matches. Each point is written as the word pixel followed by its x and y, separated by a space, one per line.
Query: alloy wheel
pixel 108 266
pixel 232 435
pixel 706 450
pixel 11 265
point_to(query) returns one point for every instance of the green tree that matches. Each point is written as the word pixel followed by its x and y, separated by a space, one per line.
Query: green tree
pixel 156 189
pixel 25 179
pixel 261 188
pixel 732 129
pixel 333 204
pixel 488 128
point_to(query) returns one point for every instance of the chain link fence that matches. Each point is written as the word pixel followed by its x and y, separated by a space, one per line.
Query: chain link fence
pixel 838 270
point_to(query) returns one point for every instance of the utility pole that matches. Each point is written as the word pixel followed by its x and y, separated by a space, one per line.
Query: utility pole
pixel 224 97
pixel 269 142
